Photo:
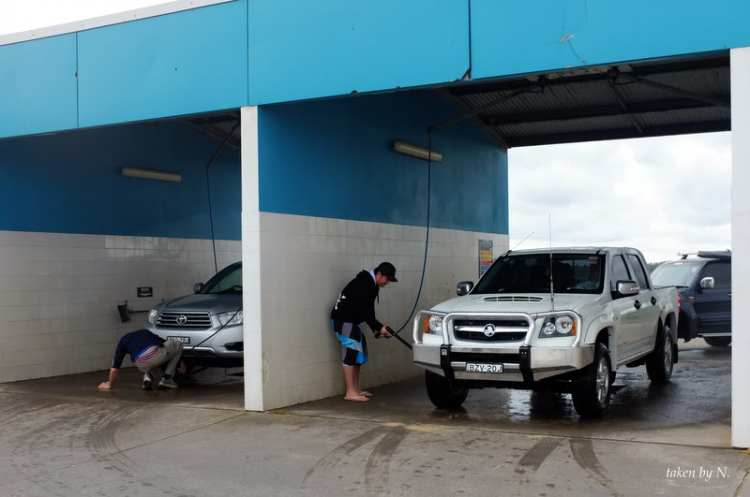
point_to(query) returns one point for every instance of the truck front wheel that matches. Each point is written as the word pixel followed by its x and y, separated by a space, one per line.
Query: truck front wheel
pixel 443 393
pixel 591 393
pixel 660 362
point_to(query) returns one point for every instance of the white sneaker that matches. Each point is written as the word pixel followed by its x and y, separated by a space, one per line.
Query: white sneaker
pixel 167 383
pixel 148 380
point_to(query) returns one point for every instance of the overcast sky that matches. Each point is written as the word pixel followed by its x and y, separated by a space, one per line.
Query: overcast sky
pixel 660 195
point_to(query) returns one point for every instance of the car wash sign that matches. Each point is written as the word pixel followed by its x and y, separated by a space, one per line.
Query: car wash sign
pixel 485 256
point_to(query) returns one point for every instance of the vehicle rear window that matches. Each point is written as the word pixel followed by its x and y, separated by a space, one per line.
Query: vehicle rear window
pixel 640 274
pixel 530 273
pixel 675 273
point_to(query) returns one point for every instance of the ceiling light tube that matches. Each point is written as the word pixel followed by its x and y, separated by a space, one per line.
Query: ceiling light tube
pixel 416 151
pixel 135 172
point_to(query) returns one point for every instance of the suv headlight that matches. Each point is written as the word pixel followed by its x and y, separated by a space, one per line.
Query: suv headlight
pixel 152 315
pixel 230 318
pixel 434 325
pixel 558 326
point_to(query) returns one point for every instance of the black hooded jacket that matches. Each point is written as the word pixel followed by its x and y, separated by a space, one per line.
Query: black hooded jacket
pixel 356 302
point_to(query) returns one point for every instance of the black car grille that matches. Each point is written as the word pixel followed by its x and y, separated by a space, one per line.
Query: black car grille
pixel 507 330
pixel 184 320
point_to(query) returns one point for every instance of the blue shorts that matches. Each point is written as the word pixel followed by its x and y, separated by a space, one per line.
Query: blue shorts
pixel 353 343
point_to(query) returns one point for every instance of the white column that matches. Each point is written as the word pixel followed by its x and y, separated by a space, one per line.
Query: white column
pixel 251 284
pixel 740 80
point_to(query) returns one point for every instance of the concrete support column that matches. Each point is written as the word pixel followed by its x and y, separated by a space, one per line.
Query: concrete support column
pixel 740 79
pixel 251 284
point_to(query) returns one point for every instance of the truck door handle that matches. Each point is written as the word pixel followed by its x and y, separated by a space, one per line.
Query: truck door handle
pixel 653 300
pixel 729 294
pixel 637 305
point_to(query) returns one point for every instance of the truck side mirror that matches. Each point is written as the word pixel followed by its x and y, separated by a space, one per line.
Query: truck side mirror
pixel 197 287
pixel 463 288
pixel 627 287
pixel 707 282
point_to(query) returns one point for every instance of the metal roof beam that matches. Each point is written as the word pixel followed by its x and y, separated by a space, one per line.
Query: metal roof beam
pixel 593 112
pixel 620 133
pixel 675 67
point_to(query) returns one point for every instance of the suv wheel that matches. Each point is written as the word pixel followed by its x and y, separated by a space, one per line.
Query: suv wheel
pixel 660 362
pixel 443 393
pixel 591 393
pixel 718 341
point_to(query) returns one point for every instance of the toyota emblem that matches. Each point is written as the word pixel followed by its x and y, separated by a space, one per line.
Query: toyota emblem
pixel 182 319
pixel 489 330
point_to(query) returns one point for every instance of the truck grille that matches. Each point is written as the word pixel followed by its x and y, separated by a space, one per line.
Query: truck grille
pixel 184 320
pixel 504 330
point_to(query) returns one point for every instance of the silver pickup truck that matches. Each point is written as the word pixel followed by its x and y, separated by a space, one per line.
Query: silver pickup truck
pixel 561 319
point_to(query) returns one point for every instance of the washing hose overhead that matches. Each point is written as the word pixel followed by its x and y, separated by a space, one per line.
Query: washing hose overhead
pixel 426 241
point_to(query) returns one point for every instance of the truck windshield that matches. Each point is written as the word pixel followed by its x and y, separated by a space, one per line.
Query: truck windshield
pixel 530 273
pixel 228 280
pixel 675 273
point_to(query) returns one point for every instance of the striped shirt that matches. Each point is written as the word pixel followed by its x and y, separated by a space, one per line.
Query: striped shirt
pixel 146 354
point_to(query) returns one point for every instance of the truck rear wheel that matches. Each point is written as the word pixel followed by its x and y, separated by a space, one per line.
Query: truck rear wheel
pixel 718 341
pixel 443 393
pixel 592 392
pixel 660 362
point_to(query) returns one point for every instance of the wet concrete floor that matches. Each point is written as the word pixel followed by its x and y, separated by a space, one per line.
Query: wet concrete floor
pixel 63 437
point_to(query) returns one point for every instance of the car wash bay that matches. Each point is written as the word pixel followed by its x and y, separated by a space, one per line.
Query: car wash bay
pixel 300 220
pixel 309 250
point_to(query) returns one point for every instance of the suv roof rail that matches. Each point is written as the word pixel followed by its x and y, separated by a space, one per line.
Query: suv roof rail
pixel 685 255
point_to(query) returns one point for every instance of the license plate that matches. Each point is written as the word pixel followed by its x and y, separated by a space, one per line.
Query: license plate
pixel 180 339
pixel 483 368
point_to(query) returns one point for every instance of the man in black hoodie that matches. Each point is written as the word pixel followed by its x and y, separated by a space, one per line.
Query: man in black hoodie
pixel 356 303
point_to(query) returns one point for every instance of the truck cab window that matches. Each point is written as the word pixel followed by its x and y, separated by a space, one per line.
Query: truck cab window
pixel 640 274
pixel 619 272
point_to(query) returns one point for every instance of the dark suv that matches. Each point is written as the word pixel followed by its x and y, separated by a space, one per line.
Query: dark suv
pixel 704 284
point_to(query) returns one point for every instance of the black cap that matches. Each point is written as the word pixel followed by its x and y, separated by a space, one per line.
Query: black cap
pixel 388 270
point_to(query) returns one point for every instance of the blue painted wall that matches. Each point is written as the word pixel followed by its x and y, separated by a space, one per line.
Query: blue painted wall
pixel 38 86
pixel 300 49
pixel 71 183
pixel 333 159
pixel 518 36
pixel 182 63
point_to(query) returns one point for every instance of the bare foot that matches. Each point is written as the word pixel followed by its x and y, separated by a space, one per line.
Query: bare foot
pixel 358 398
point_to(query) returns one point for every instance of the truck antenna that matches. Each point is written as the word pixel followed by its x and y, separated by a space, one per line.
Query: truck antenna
pixel 519 243
pixel 551 279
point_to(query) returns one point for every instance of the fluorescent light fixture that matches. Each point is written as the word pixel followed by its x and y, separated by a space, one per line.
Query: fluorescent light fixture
pixel 416 151
pixel 135 172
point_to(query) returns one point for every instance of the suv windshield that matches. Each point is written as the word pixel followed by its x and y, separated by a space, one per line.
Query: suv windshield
pixel 228 280
pixel 679 273
pixel 572 273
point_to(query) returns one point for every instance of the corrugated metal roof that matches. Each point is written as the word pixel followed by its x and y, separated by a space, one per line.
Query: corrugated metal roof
pixel 626 101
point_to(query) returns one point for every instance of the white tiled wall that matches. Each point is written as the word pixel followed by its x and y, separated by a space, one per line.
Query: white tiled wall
pixel 59 294
pixel 307 261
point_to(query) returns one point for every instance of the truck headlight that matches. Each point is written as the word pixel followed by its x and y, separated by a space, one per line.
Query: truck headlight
pixel 230 318
pixel 152 315
pixel 558 326
pixel 435 325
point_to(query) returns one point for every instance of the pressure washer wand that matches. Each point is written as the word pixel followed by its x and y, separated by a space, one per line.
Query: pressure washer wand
pixel 395 334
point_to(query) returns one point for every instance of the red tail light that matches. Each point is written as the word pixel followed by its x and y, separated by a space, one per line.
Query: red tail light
pixel 679 299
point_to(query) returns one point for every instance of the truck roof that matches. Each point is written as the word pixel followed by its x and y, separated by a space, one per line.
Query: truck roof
pixel 581 250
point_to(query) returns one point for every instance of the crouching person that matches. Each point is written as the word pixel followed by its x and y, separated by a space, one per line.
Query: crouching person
pixel 147 351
